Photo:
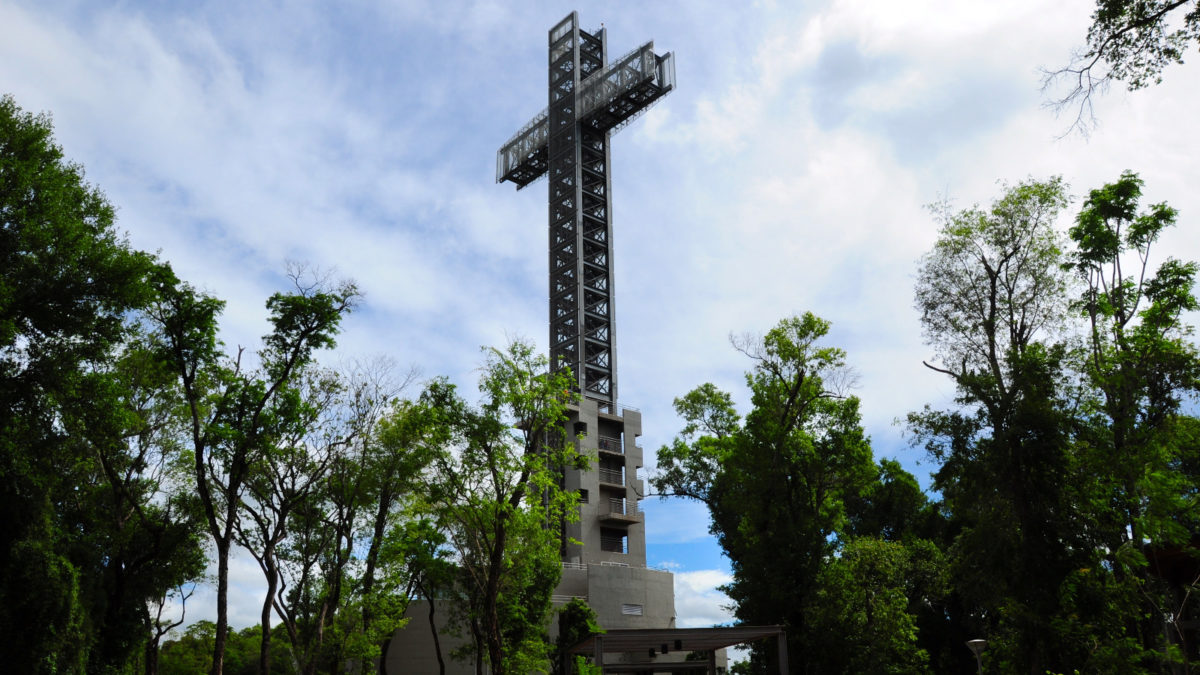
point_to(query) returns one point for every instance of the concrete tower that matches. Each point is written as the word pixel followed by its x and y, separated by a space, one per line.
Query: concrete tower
pixel 604 553
pixel 568 142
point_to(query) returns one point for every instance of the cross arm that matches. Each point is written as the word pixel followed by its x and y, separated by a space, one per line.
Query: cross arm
pixel 607 100
pixel 625 88
pixel 522 159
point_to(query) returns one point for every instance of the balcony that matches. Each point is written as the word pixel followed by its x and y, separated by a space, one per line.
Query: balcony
pixel 612 477
pixel 612 544
pixel 610 444
pixel 622 511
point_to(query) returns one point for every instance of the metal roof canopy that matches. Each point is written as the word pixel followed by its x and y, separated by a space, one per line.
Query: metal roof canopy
pixel 675 639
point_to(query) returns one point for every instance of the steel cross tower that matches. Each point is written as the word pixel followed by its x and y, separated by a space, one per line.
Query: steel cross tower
pixel 568 141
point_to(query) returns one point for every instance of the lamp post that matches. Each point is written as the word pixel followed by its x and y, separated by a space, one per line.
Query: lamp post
pixel 976 647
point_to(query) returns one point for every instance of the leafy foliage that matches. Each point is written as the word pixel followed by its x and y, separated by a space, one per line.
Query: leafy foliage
pixel 576 623
pixel 1055 468
pixel 237 415
pixel 1065 530
pixel 862 620
pixel 791 488
pixel 94 527
pixel 1130 41
pixel 498 497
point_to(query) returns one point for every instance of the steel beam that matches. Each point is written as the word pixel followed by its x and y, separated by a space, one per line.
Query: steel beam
pixel 568 143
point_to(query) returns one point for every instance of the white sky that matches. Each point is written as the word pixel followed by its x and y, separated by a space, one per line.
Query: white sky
pixel 787 173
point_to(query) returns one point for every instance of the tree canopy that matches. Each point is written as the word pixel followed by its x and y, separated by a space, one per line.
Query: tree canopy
pixel 793 486
pixel 94 528
pixel 1129 41
pixel 136 450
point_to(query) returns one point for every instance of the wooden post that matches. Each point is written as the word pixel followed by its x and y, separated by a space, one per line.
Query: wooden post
pixel 712 662
pixel 598 653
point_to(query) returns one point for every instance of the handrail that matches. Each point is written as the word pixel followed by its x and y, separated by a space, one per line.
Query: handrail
pixel 640 66
pixel 622 507
pixel 618 77
pixel 608 563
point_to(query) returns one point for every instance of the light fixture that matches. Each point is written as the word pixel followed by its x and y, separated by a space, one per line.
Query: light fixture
pixel 976 647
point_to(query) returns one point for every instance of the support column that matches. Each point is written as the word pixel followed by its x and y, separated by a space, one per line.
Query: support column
pixel 581 309
pixel 783 652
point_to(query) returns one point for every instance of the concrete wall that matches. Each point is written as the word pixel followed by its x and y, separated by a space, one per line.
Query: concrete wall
pixel 610 588
pixel 411 650
pixel 607 580
pixel 607 588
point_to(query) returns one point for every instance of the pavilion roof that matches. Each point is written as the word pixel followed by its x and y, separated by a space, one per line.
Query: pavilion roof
pixel 689 639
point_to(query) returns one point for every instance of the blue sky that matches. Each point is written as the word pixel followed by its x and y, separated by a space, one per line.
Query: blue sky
pixel 787 173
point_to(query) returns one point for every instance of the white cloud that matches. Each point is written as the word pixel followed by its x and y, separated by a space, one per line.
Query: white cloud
pixel 698 603
pixel 786 173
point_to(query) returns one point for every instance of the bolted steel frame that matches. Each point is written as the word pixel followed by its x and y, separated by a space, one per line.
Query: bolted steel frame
pixel 568 142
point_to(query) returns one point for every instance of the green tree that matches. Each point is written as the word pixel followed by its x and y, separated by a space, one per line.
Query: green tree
pixel 310 507
pixel 993 295
pixel 498 497
pixel 379 505
pixel 1130 41
pixel 862 619
pixel 93 527
pixel 787 487
pixel 286 475
pixel 576 623
pixel 162 627
pixel 1067 468
pixel 191 651
pixel 237 413
pixel 404 549
pixel 429 570
pixel 1140 364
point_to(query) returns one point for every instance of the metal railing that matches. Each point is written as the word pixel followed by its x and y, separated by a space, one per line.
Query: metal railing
pixel 618 77
pixel 632 73
pixel 612 476
pixel 610 444
pixel 609 563
pixel 622 507
pixel 610 408
pixel 612 544
pixel 528 140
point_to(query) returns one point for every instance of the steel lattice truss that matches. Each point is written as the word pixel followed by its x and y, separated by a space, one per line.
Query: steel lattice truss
pixel 568 142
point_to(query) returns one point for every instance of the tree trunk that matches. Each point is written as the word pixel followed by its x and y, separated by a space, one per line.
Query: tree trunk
pixel 491 614
pixel 368 583
pixel 477 639
pixel 264 652
pixel 222 606
pixel 437 645
pixel 381 669
pixel 152 659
